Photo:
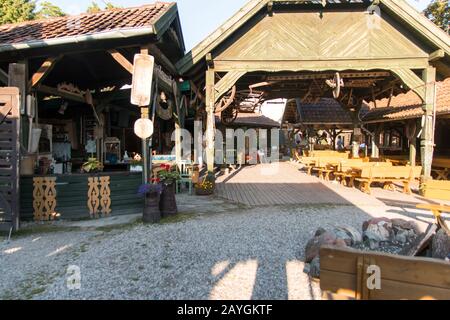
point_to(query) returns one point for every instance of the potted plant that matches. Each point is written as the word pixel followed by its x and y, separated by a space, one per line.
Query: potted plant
pixel 167 203
pixel 207 186
pixel 92 166
pixel 136 164
pixel 151 193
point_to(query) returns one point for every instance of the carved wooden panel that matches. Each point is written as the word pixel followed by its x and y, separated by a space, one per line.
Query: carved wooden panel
pixel 99 196
pixel 44 198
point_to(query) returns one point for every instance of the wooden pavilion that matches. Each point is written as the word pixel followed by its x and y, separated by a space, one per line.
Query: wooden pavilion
pixel 74 77
pixel 397 124
pixel 353 51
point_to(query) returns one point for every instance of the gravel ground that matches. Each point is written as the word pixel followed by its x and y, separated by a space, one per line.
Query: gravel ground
pixel 238 253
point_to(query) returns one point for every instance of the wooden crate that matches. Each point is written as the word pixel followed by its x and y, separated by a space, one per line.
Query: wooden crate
pixel 344 274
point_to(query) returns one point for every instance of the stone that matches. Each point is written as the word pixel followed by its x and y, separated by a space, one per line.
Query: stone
pixel 351 236
pixel 314 268
pixel 312 248
pixel 319 232
pixel 380 231
pixel 404 224
pixel 440 247
pixel 375 221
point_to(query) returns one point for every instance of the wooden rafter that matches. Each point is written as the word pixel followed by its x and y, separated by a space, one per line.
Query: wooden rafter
pixel 43 71
pixel 127 65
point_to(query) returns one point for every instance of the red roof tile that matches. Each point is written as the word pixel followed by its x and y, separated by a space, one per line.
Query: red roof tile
pixel 408 105
pixel 84 24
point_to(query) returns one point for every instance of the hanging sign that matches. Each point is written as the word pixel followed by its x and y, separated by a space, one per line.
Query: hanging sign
pixel 143 128
pixel 141 90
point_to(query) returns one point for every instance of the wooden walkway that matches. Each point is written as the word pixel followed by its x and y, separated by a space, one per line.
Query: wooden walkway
pixel 284 184
pixel 275 184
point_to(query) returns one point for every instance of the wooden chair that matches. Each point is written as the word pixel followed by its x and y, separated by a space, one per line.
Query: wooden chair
pixel 186 174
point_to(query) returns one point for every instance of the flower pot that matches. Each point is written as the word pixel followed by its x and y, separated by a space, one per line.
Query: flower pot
pixel 151 212
pixel 168 203
pixel 203 192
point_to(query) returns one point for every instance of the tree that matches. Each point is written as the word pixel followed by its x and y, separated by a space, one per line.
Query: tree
pixel 438 11
pixel 49 10
pixel 12 11
pixel 94 7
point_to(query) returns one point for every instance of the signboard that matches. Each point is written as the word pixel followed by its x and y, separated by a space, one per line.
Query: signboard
pixel 143 128
pixel 141 90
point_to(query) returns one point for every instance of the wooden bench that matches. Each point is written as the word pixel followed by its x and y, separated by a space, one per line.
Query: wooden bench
pixel 389 175
pixel 326 165
pixel 345 170
pixel 436 190
pixel 344 275
pixel 352 170
pixel 441 168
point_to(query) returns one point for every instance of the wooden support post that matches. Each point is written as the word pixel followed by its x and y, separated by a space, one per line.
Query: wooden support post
pixel 210 92
pixel 17 77
pixel 427 138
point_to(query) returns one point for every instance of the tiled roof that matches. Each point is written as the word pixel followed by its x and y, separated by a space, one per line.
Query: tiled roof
pixel 325 111
pixel 255 120
pixel 82 25
pixel 408 105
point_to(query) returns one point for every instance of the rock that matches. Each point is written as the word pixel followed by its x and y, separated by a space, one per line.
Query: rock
pixel 380 231
pixel 375 221
pixel 314 268
pixel 312 248
pixel 404 224
pixel 319 232
pixel 402 236
pixel 440 247
pixel 340 243
pixel 350 235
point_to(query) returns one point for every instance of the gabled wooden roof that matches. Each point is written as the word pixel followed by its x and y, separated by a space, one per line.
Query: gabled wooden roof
pixel 424 29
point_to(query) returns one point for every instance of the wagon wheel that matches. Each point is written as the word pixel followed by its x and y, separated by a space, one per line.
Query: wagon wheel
pixel 229 115
pixel 336 84
pixel 226 101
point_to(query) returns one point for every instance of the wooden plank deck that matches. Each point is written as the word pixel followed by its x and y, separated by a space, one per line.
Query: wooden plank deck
pixel 275 184
pixel 284 184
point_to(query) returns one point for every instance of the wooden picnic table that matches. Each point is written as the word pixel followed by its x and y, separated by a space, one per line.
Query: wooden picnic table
pixel 441 166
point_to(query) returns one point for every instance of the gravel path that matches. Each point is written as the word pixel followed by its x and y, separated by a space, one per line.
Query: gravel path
pixel 216 251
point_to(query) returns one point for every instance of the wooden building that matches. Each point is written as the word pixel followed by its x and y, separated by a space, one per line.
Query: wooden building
pixel 353 51
pixel 74 74
pixel 397 124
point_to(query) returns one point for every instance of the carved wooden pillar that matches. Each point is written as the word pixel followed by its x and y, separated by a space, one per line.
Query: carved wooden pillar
pixel 427 138
pixel 210 80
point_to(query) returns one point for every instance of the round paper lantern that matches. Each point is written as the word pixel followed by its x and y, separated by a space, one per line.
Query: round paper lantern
pixel 143 128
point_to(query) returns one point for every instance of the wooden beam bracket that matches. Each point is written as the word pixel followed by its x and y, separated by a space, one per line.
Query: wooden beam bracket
pixel 127 65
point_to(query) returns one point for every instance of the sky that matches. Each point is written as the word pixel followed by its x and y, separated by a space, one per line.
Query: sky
pixel 198 17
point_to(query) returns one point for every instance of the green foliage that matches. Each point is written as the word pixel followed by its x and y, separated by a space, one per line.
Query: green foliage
pixel 49 10
pixel 169 176
pixel 12 11
pixel 438 11
pixel 94 7
pixel 92 165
